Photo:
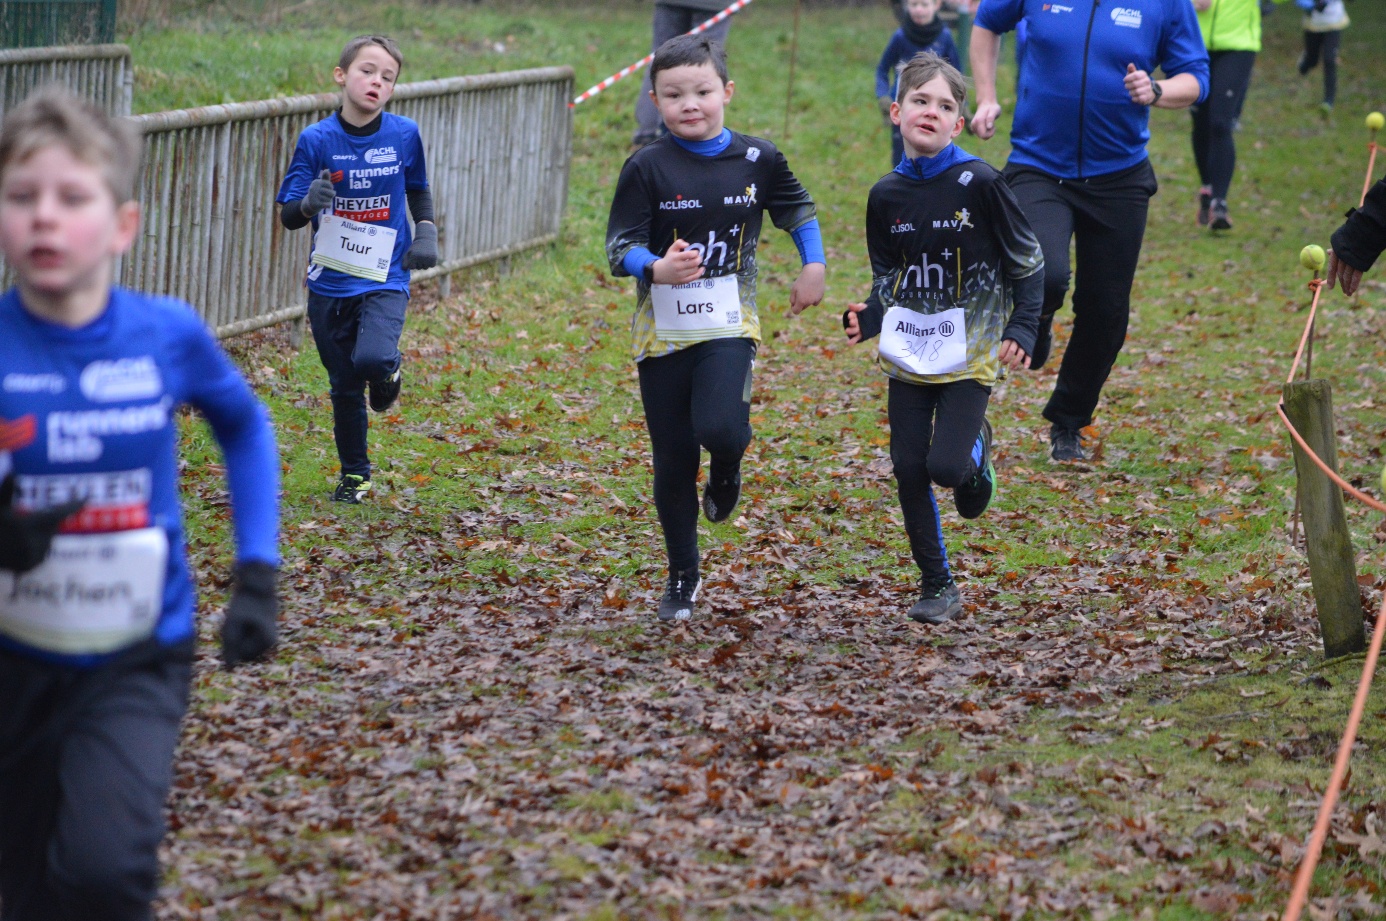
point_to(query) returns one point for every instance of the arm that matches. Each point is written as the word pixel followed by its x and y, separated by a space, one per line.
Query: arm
pixel 1022 262
pixel 1359 241
pixel 807 290
pixel 983 51
pixel 423 252
pixel 1177 92
pixel 628 223
pixel 884 67
pixel 791 209
pixel 862 321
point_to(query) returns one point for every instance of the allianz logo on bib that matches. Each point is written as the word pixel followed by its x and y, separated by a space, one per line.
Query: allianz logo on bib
pixel 124 379
pixel 680 204
pixel 381 155
pixel 1124 16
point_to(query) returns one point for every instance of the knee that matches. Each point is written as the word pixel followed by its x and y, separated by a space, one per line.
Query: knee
pixel 726 440
pixel 1055 288
pixel 951 472
pixel 374 367
pixel 911 473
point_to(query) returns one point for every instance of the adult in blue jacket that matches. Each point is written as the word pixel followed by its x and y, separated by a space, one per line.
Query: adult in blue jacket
pixel 1078 163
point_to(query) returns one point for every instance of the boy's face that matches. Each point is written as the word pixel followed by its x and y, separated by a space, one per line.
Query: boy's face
pixel 367 84
pixel 60 226
pixel 922 12
pixel 691 100
pixel 929 118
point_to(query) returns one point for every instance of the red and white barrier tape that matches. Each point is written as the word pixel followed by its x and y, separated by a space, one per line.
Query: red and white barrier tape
pixel 627 71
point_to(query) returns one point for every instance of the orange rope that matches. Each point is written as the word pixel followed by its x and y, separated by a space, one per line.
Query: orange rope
pixel 1371 164
pixel 1299 894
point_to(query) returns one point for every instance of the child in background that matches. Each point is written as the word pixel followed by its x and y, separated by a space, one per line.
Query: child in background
pixel 920 30
pixel 1324 22
pixel 97 633
pixel 351 175
pixel 685 221
pixel 958 280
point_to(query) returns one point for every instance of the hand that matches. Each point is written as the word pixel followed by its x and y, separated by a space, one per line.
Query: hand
pixel 1138 86
pixel 1203 5
pixel 1340 271
pixel 807 289
pixel 984 121
pixel 851 323
pixel 25 538
pixel 423 252
pixel 250 629
pixel 680 265
pixel 321 194
pixel 1012 355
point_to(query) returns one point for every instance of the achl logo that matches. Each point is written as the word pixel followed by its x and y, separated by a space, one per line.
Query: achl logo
pixel 1124 16
pixel 381 155
pixel 124 379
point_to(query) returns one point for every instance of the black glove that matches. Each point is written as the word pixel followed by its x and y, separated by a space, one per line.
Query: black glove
pixel 250 629
pixel 25 538
pixel 423 253
pixel 321 194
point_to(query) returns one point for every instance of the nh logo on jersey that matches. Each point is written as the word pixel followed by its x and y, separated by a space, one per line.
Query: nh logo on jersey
pixel 921 276
pixel 748 199
pixel 1129 18
pixel 17 433
pixel 903 226
pixel 715 251
pixel 960 220
pixel 381 155
pixel 680 204
pixel 753 154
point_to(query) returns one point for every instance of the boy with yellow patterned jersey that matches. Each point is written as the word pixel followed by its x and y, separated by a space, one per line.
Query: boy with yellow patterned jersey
pixel 697 196
pixel 951 253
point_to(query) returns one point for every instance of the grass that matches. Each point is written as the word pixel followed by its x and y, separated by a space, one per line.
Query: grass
pixel 518 462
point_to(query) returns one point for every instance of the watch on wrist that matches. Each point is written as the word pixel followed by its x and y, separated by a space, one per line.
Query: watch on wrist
pixel 1157 89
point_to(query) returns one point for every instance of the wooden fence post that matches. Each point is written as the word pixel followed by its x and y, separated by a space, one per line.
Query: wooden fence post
pixel 1332 567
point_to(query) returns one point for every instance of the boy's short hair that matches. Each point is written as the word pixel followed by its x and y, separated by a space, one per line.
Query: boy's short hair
pixel 353 48
pixel 54 116
pixel 923 67
pixel 689 51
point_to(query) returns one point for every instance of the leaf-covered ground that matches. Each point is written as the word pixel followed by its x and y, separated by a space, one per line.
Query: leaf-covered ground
pixel 475 714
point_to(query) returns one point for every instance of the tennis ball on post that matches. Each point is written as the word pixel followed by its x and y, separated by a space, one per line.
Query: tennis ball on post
pixel 1376 121
pixel 1312 257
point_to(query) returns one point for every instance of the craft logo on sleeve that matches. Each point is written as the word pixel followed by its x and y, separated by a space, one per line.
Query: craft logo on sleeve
pixel 1124 16
pixel 121 380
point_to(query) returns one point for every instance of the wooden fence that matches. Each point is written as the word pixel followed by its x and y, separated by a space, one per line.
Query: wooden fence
pixel 101 73
pixel 498 149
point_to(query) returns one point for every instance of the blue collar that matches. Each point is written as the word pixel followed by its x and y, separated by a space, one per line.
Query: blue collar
pixel 706 148
pixel 929 167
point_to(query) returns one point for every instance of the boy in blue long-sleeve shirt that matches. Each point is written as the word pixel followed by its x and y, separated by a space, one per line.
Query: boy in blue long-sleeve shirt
pixel 920 30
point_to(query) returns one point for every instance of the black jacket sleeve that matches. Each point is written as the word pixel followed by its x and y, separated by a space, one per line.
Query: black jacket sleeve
pixel 1022 262
pixel 632 213
pixel 884 268
pixel 1363 235
pixel 291 215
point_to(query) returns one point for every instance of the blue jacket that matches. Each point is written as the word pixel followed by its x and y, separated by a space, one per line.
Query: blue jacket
pixel 900 49
pixel 1074 118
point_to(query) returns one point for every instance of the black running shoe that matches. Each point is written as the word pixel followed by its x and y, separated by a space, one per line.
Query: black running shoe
pixel 939 602
pixel 352 489
pixel 1205 203
pixel 1066 444
pixel 384 393
pixel 679 597
pixel 720 497
pixel 1044 339
pixel 1218 212
pixel 973 497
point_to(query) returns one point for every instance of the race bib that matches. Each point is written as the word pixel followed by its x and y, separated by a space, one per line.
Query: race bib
pixel 709 308
pixel 934 343
pixel 95 593
pixel 363 250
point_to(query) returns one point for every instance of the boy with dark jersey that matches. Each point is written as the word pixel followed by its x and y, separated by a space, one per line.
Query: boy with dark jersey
pixel 950 254
pixel 96 601
pixel 684 223
pixel 351 175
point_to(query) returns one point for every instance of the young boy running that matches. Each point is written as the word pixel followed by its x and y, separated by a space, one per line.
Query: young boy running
pixel 351 175
pixel 684 223
pixel 950 253
pixel 96 623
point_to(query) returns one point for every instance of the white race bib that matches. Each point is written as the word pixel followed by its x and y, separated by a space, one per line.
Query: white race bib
pixel 95 593
pixel 709 308
pixel 934 343
pixel 363 250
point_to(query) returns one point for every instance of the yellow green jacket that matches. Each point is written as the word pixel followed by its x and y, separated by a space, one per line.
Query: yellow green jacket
pixel 1232 25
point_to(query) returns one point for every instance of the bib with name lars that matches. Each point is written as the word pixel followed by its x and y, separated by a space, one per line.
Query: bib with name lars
pixel 715 203
pixel 942 250
pixel 371 174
